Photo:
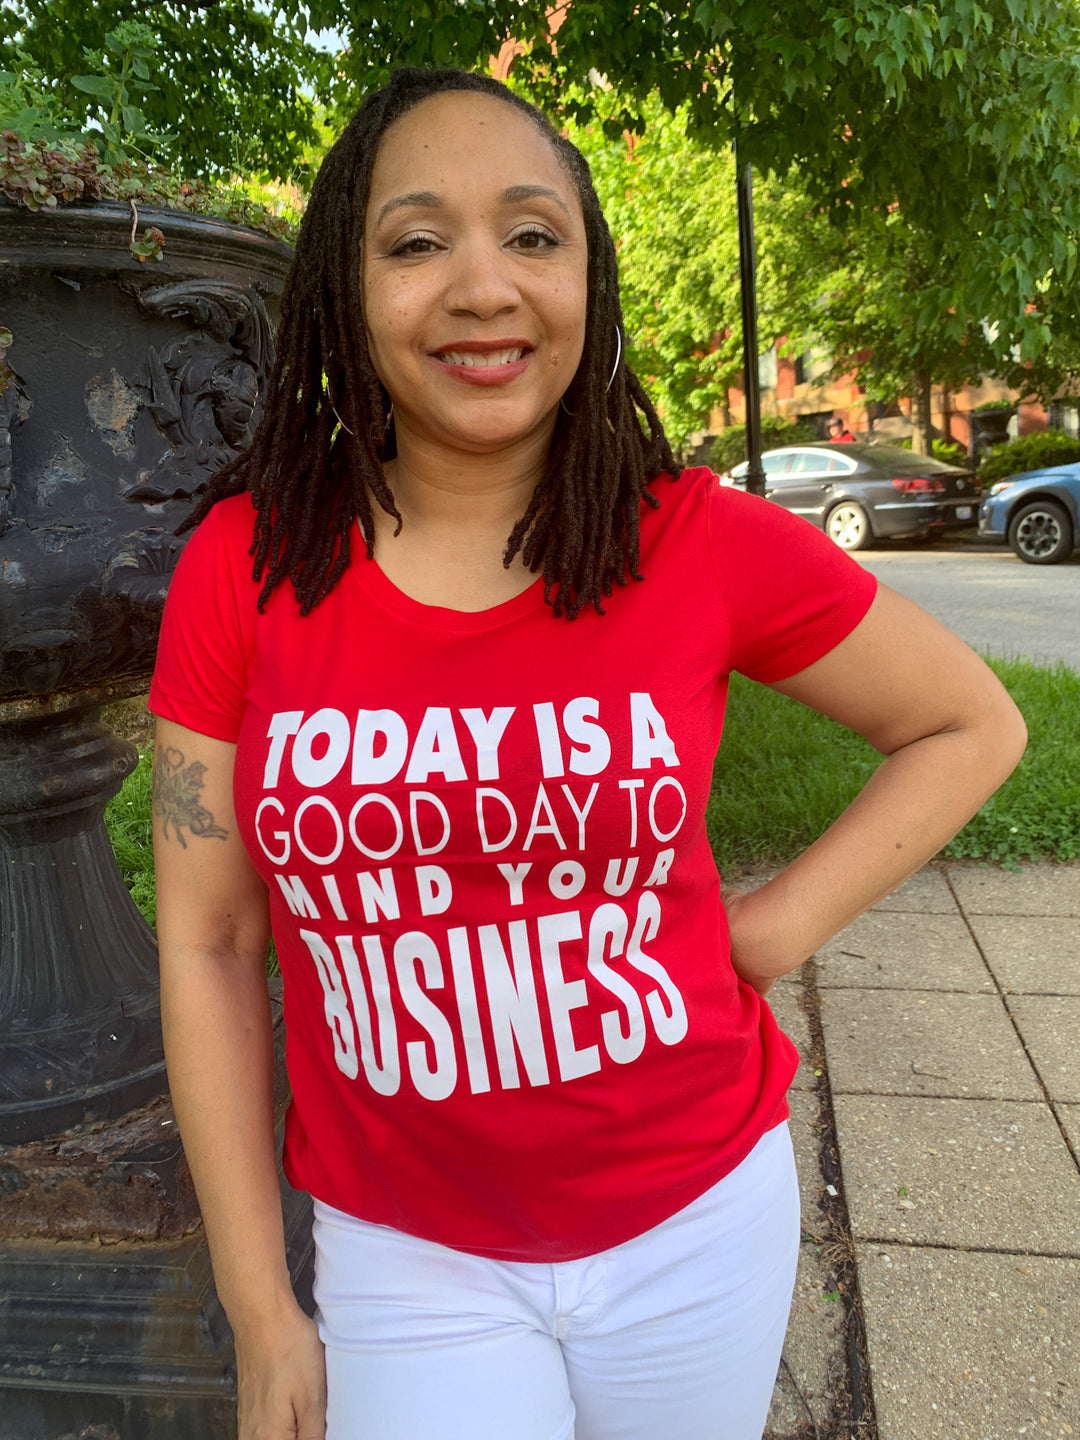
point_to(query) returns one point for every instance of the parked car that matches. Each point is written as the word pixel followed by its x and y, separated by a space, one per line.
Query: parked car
pixel 858 493
pixel 1037 512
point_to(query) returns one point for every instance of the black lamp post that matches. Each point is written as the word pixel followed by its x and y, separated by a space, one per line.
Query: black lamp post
pixel 755 477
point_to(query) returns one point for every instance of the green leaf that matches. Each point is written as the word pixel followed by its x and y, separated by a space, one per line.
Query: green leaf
pixel 95 85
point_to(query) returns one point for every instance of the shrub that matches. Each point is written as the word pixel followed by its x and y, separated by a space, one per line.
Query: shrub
pixel 729 447
pixel 1030 452
pixel 949 452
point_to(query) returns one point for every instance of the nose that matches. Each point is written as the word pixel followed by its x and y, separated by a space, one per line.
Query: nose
pixel 481 279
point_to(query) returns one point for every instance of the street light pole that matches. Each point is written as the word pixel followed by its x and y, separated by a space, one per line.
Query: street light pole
pixel 755 476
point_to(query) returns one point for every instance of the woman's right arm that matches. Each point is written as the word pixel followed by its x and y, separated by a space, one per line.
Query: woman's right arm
pixel 213 932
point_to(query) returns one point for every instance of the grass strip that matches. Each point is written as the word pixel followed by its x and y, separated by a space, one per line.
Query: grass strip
pixel 783 775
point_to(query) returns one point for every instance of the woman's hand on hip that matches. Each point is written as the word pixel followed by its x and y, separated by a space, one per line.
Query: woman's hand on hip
pixel 281 1380
pixel 750 946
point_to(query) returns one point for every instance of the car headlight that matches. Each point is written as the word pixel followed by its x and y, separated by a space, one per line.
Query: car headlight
pixel 999 487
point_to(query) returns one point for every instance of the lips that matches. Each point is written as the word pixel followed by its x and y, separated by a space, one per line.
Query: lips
pixel 484 362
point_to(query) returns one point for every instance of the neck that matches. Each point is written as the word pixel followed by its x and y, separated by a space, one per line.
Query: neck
pixel 457 512
pixel 440 490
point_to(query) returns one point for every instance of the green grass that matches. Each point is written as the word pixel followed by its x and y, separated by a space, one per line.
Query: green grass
pixel 129 821
pixel 784 773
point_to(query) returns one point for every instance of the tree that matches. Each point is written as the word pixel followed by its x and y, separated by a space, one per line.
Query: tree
pixel 906 305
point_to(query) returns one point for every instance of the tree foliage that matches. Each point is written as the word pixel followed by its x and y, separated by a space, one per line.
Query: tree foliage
pixel 233 82
pixel 936 145
pixel 671 208
pixel 670 200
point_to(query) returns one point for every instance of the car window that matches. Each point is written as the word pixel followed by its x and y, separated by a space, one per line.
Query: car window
pixel 777 463
pixel 820 462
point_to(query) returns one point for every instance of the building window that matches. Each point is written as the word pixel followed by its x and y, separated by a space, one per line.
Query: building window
pixel 1061 416
pixel 766 369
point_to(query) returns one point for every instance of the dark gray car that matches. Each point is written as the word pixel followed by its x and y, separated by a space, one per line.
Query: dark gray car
pixel 859 493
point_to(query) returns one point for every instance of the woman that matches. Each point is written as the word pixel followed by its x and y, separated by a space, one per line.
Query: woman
pixel 539 1103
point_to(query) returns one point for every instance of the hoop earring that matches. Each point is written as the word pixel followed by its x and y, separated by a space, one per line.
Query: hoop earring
pixel 618 357
pixel 614 371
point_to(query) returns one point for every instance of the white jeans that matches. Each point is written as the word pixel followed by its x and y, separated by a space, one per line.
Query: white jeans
pixel 674 1335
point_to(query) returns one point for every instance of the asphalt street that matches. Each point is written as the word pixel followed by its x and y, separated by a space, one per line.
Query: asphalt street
pixel 995 602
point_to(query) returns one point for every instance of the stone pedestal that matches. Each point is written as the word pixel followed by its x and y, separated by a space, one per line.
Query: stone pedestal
pixel 110 1326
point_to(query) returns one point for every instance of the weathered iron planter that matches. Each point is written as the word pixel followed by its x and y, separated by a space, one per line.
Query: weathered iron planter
pixel 989 428
pixel 131 384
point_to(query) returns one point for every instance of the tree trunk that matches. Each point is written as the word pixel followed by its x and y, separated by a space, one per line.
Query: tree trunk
pixel 946 414
pixel 920 413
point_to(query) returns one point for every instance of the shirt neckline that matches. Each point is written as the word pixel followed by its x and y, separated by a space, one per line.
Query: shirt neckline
pixel 384 592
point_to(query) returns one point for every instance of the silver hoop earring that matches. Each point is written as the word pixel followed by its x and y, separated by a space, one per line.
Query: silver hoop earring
pixel 566 408
pixel 618 357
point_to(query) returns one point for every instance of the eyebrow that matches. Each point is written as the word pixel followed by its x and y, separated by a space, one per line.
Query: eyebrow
pixel 428 200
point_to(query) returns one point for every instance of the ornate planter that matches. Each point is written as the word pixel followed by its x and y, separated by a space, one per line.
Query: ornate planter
pixel 989 427
pixel 131 384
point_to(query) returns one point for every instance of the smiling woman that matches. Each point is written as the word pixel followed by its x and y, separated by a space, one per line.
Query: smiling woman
pixel 537 1090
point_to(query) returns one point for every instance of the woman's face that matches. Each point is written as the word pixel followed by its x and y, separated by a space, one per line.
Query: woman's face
pixel 474 275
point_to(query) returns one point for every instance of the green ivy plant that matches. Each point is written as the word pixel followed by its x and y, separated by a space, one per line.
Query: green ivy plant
pixel 122 73
pixel 48 159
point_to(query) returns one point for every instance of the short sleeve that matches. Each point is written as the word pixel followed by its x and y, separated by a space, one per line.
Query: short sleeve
pixel 790 593
pixel 206 645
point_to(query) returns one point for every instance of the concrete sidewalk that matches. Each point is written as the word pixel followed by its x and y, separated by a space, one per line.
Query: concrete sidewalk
pixel 936 1119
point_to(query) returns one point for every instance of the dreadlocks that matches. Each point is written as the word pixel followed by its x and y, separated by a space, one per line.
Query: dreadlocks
pixel 315 464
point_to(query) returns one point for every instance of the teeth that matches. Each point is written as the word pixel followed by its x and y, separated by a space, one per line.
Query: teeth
pixel 472 360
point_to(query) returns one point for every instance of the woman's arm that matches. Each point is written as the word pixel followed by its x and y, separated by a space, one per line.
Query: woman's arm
pixel 950 734
pixel 213 932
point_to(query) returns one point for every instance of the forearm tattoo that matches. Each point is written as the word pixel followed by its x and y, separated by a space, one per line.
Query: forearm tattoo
pixel 177 787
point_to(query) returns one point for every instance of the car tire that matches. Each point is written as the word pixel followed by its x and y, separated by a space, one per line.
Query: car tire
pixel 848 525
pixel 1041 533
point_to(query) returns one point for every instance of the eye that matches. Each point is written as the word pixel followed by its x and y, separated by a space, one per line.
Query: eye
pixel 418 244
pixel 533 237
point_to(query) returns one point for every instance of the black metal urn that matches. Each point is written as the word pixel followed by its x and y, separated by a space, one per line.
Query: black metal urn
pixel 989 428
pixel 128 385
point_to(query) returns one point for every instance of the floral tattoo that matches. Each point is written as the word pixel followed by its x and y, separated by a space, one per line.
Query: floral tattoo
pixel 177 787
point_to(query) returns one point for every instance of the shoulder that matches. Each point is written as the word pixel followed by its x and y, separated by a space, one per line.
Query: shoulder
pixel 230 524
pixel 731 517
pixel 217 553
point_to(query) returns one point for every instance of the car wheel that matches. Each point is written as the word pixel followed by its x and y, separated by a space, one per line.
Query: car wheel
pixel 1041 533
pixel 849 525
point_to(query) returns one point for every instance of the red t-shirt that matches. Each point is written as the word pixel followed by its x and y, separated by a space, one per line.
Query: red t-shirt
pixel 513 1026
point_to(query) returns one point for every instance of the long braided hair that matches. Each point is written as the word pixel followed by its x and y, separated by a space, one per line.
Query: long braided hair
pixel 315 463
